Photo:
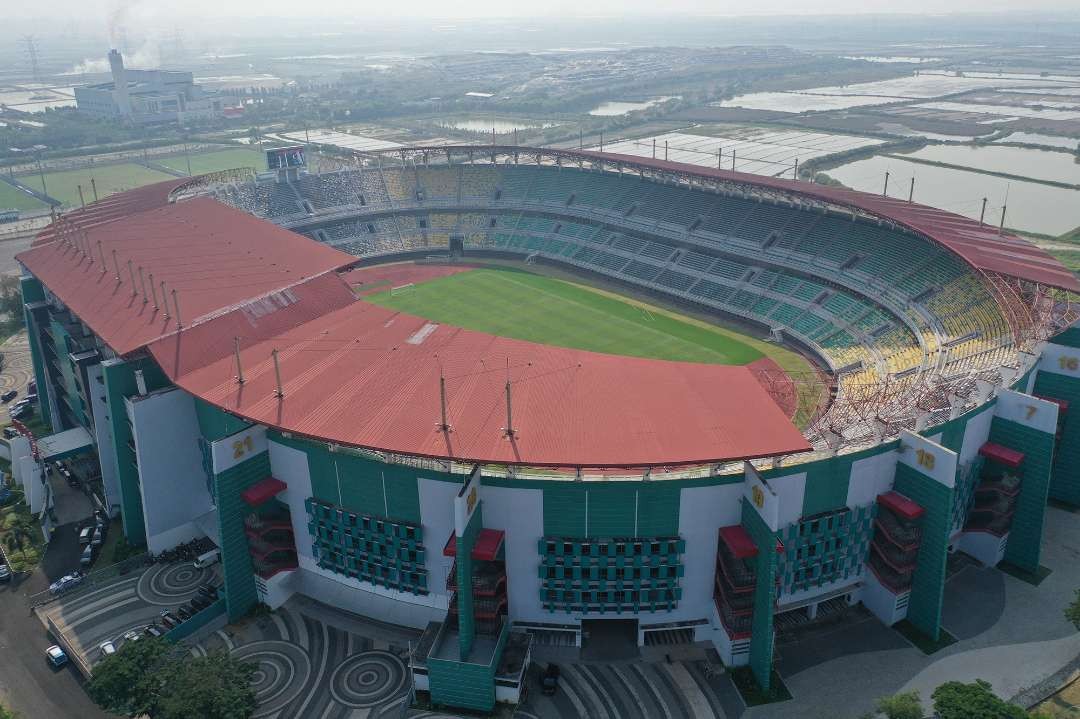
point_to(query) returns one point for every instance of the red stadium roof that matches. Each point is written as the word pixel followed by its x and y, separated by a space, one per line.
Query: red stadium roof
pixel 214 257
pixel 115 207
pixel 979 245
pixel 366 376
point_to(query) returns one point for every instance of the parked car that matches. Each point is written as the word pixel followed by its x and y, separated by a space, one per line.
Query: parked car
pixel 99 535
pixel 32 387
pixel 10 433
pixel 132 635
pixel 9 395
pixel 169 619
pixel 85 535
pixel 56 656
pixel 209 591
pixel 549 682
pixel 66 582
pixel 32 396
pixel 208 559
pixel 184 613
pixel 154 630
pixel 87 556
pixel 199 603
pixel 27 410
pixel 107 648
pixel 5 573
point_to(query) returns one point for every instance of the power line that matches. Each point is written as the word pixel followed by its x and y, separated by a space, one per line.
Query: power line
pixel 31 55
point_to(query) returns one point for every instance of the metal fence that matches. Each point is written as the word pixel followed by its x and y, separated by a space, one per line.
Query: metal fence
pixel 90 581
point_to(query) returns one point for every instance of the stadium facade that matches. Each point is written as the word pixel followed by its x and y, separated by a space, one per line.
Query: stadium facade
pixel 201 337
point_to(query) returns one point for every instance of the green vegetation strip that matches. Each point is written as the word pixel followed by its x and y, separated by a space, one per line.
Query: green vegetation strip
pixel 541 309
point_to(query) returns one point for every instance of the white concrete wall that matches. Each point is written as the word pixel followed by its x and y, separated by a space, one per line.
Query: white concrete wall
pixel 437 520
pixel 291 466
pixel 871 476
pixel 103 438
pixel 174 491
pixel 519 513
pixel 984 546
pixel 702 511
pixel 975 435
pixel 791 489
pixel 20 447
pixel 881 601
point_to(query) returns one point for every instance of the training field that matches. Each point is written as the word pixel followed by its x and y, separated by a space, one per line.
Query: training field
pixel 110 179
pixel 526 306
pixel 12 198
pixel 216 161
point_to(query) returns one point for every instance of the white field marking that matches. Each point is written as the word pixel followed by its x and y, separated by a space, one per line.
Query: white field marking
pixel 630 686
pixel 656 694
pixel 571 694
pixel 283 628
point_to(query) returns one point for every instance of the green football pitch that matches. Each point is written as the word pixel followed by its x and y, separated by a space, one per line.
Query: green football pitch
pixel 108 180
pixel 526 306
pixel 12 198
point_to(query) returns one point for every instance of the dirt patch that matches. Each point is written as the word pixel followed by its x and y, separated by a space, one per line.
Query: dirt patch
pixel 367 280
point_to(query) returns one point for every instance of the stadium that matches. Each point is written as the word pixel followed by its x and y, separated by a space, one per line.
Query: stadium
pixel 600 393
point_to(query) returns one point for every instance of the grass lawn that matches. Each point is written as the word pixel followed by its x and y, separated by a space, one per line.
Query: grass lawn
pixel 110 179
pixel 12 198
pixel 215 161
pixel 542 309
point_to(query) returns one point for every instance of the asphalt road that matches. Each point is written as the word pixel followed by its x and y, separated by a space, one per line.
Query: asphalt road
pixel 28 684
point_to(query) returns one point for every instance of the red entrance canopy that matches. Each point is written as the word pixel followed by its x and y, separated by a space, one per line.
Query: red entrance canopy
pixel 1004 455
pixel 900 505
pixel 488 542
pixel 738 541
pixel 262 491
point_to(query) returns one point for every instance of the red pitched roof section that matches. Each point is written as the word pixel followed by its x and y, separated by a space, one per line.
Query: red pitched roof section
pixel 262 491
pixel 214 257
pixel 1004 455
pixel 900 505
pixel 979 245
pixel 738 541
pixel 115 207
pixel 367 376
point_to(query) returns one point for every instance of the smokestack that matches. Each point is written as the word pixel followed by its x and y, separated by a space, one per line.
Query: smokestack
pixel 120 87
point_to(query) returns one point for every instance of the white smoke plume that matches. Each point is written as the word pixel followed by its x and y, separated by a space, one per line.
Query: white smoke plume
pixel 147 56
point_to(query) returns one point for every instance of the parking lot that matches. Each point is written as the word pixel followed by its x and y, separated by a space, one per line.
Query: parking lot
pixel 89 616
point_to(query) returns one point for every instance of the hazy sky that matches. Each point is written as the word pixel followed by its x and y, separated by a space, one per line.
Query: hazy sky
pixel 137 12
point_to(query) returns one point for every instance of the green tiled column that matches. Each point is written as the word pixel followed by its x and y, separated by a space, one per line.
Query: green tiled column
pixel 761 640
pixel 1025 536
pixel 928 584
pixel 463 558
pixel 240 593
pixel 32 292
pixel 1065 473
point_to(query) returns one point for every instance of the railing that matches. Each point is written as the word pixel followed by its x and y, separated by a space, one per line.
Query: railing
pixel 90 581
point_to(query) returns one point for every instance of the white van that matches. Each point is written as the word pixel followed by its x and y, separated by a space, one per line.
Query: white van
pixel 208 559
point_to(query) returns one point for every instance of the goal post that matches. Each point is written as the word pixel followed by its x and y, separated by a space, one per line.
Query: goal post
pixel 401 289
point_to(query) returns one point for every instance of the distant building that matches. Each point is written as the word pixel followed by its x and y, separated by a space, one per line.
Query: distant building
pixel 148 96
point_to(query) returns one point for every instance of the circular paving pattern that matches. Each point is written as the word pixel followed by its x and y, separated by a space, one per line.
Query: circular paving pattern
pixel 282 671
pixel 168 584
pixel 18 367
pixel 368 679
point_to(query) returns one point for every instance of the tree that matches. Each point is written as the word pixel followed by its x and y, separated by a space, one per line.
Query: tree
pixel 956 700
pixel 6 713
pixel 217 686
pixel 124 682
pixel 16 539
pixel 1072 612
pixel 901 706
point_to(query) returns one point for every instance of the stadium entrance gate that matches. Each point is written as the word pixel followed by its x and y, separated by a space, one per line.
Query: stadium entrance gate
pixel 609 639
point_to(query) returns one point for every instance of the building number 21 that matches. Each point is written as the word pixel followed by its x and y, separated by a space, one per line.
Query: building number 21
pixel 240 447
